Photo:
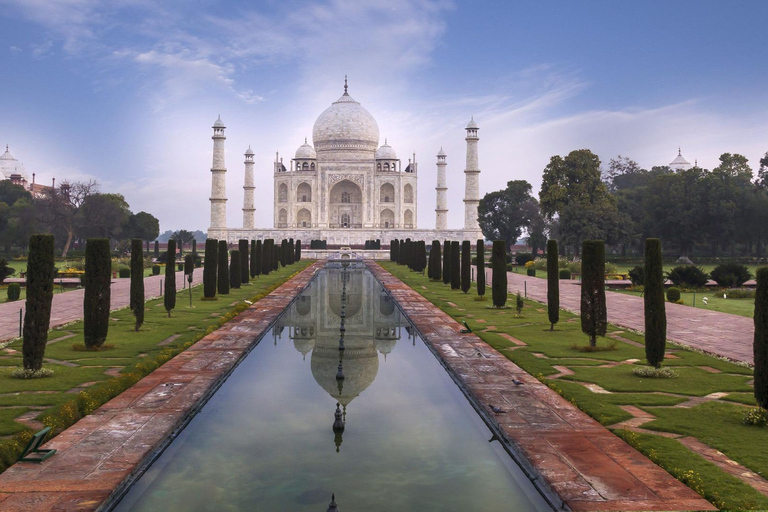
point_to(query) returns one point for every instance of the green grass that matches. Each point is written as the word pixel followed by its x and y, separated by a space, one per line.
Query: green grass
pixel 130 347
pixel 716 302
pixel 719 419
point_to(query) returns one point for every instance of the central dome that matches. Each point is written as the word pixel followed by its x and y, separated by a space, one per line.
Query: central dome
pixel 345 125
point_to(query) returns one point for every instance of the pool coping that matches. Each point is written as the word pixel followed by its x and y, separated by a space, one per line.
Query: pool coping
pixel 575 462
pixel 99 456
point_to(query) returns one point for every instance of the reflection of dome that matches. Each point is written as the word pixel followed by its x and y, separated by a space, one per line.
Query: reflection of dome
pixel 360 368
pixel 386 305
pixel 386 152
pixel 304 345
pixel 305 151
pixel 345 125
pixel 385 346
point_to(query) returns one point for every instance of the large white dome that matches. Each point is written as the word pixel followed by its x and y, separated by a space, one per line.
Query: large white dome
pixel 345 125
pixel 9 165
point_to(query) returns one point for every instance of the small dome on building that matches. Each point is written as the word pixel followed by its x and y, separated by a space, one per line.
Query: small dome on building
pixel 386 152
pixel 680 163
pixel 219 123
pixel 441 152
pixel 306 151
pixel 472 124
pixel 249 151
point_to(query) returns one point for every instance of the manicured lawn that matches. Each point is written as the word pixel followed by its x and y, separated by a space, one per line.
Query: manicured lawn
pixel 715 422
pixel 715 302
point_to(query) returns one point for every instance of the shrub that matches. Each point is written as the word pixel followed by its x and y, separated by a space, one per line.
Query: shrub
pixel 540 264
pixel 266 256
pixel 740 293
pixel 394 250
pixel 553 285
pixel 519 303
pixel 649 372
pixel 26 373
pixel 530 264
pixel 222 277
pixel 245 276
pixel 531 272
pixel 499 279
pixel 435 271
pixel 98 265
pixel 455 265
pixel 523 258
pixel 297 254
pixel 209 268
pixel 14 292
pixel 594 315
pixel 730 274
pixel 565 273
pixel 760 343
pixel 446 262
pixel 637 276
pixel 481 267
pixel 673 294
pixel 124 272
pixel 137 281
pixel 234 269
pixel 611 268
pixel 574 267
pixel 155 270
pixel 169 297
pixel 653 301
pixel 37 316
pixel 5 270
pixel 755 417
pixel 688 276
pixel 511 267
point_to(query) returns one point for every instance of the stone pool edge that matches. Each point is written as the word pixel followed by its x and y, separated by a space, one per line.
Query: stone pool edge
pixel 100 455
pixel 566 453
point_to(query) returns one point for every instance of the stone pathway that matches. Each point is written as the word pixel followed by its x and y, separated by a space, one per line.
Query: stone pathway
pixel 716 333
pixel 570 454
pixel 99 452
pixel 68 306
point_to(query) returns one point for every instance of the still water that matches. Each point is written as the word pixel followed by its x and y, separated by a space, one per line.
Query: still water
pixel 265 440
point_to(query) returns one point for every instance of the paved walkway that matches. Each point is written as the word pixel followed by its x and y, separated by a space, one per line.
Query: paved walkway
pixel 571 454
pixel 99 452
pixel 68 306
pixel 722 334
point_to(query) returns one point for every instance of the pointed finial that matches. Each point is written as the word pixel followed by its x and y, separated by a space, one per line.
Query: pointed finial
pixel 6 148
pixel 332 507
pixel 679 152
pixel 305 140
pixel 696 162
pixel 345 84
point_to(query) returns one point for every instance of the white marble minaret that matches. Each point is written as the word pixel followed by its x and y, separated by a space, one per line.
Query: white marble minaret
pixel 218 179
pixel 472 183
pixel 441 206
pixel 248 188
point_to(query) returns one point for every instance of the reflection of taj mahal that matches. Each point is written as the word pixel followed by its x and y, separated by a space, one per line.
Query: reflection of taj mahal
pixel 345 189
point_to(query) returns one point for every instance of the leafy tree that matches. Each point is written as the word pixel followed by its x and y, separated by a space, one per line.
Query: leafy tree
pixel 59 208
pixel 37 317
pixel 499 277
pixel 446 262
pixel 137 281
pixel 5 270
pixel 234 269
pixel 762 172
pixel 760 345
pixel 222 281
pixel 730 274
pixel 169 299
pixel 143 225
pixel 502 215
pixel 182 236
pixel 481 267
pixel 98 273
pixel 553 284
pixel 466 265
pixel 455 265
pixel 655 309
pixel 594 315
pixel 209 268
pixel 244 274
pixel 103 216
pixel 537 226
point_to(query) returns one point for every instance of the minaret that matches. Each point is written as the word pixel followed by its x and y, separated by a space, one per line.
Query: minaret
pixel 218 179
pixel 472 183
pixel 248 188
pixel 441 209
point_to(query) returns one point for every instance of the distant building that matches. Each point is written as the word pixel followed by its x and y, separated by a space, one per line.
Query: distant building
pixel 679 163
pixel 13 170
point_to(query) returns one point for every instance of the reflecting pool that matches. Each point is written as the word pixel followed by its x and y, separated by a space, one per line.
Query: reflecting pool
pixel 402 437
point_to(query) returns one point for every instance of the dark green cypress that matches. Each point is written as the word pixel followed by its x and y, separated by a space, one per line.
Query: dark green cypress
pixel 499 278
pixel 98 275
pixel 275 257
pixel 297 255
pixel 421 256
pixel 760 344
pixel 655 308
pixel 434 262
pixel 252 260
pixel 446 262
pixel 194 246
pixel 234 269
pixel 244 274
pixel 157 249
pixel 553 284
pixel 266 256
pixel 37 317
pixel 455 265
pixel 594 315
pixel 481 267
pixel 169 300
pixel 137 281
pixel 222 282
pixel 291 251
pixel 209 268
pixel 256 257
pixel 466 265
pixel 393 252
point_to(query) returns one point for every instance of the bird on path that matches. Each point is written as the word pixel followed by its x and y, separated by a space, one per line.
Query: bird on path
pixel 495 409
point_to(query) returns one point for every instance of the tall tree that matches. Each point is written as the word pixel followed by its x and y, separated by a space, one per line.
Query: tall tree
pixel 143 225
pixel 653 299
pixel 266 256
pixel 455 265
pixel 59 208
pixel 252 269
pixel 222 281
pixel 466 265
pixel 446 262
pixel 257 258
pixel 103 216
pixel 499 276
pixel 244 271
pixel 760 344
pixel 594 315
pixel 553 284
pixel 137 281
pixel 169 297
pixel 37 317
pixel 481 267
pixel 435 261
pixel 98 274
pixel 210 267
pixel 502 214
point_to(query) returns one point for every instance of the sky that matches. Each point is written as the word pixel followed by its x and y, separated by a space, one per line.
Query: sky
pixel 126 91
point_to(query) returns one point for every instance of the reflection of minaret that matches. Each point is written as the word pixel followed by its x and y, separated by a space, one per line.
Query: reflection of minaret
pixel 472 184
pixel 332 506
pixel 441 208
pixel 338 427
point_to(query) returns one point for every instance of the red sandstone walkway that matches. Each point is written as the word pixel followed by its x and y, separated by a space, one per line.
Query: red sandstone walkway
pixel 717 333
pixel 100 451
pixel 573 455
pixel 68 306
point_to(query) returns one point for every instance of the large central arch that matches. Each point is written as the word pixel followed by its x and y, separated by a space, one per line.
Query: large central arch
pixel 345 205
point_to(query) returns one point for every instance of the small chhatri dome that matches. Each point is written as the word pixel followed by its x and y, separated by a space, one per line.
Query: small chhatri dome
pixel 219 123
pixel 249 151
pixel 441 152
pixel 472 124
pixel 386 152
pixel 346 124
pixel 306 151
pixel 679 162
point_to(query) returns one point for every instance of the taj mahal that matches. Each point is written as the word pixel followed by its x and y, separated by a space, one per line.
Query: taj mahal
pixel 344 188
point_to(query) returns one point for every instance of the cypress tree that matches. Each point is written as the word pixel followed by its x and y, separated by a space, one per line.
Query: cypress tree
pixel 760 344
pixel 194 246
pixel 553 284
pixel 209 268
pixel 98 273
pixel 137 281
pixel 446 262
pixel 291 251
pixel 275 257
pixel 594 316
pixel 252 260
pixel 393 252
pixel 256 258
pixel 655 308
pixel 157 249
pixel 169 300
pixel 481 267
pixel 297 256
pixel 223 263
pixel 499 278
pixel 244 274
pixel 466 265
pixel 37 317
pixel 266 256
pixel 234 269
pixel 421 255
pixel 434 261
pixel 455 265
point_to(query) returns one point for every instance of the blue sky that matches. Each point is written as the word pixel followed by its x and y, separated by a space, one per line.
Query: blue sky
pixel 125 91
